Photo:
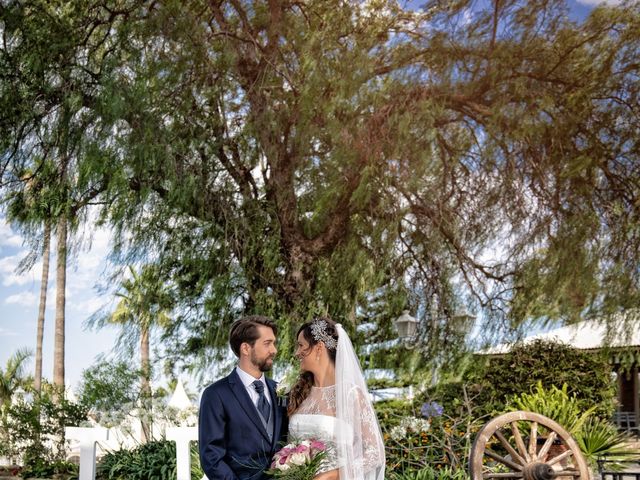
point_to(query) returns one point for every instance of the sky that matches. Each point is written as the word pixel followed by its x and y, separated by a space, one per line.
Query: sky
pixel 19 294
pixel 19 299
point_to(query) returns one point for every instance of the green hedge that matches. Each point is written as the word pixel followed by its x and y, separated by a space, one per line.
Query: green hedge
pixel 491 381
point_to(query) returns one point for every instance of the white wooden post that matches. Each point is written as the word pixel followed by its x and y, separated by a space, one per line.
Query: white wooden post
pixel 182 436
pixel 87 438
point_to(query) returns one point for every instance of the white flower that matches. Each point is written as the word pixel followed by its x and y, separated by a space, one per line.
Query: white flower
pixel 409 425
pixel 297 459
pixel 283 467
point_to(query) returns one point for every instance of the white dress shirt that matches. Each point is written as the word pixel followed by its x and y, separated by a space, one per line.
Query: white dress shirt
pixel 247 381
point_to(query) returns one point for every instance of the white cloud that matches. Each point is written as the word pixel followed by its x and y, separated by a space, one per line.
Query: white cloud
pixel 599 2
pixel 7 237
pixel 8 271
pixel 89 306
pixel 26 299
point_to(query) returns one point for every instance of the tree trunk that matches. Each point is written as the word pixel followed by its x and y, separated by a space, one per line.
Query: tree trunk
pixel 46 250
pixel 145 365
pixel 61 273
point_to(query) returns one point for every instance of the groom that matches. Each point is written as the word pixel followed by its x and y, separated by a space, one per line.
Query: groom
pixel 240 421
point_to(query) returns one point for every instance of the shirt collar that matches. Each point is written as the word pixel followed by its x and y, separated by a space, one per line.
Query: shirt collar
pixel 248 379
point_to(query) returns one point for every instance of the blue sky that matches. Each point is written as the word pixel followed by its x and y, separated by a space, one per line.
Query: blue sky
pixel 19 294
pixel 19 297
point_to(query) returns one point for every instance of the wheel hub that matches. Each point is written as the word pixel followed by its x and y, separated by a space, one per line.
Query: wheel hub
pixel 537 471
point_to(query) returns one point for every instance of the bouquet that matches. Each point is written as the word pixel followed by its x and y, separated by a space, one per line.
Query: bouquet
pixel 298 461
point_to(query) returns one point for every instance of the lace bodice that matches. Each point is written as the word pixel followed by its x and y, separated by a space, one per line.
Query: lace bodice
pixel 316 418
pixel 321 401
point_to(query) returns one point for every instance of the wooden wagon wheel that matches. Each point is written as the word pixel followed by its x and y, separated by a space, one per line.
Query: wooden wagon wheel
pixel 502 450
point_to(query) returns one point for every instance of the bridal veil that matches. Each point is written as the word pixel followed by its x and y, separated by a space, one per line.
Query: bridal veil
pixel 359 440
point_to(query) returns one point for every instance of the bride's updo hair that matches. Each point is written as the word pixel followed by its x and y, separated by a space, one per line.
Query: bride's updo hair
pixel 320 329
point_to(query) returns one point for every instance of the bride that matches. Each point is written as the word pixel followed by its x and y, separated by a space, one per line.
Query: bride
pixel 330 402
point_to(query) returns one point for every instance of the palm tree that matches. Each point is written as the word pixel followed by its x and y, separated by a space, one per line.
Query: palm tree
pixel 44 281
pixel 143 303
pixel 29 209
pixel 61 282
pixel 13 376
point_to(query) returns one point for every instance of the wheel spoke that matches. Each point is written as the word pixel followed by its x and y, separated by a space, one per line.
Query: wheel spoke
pixel 502 475
pixel 547 445
pixel 566 473
pixel 519 442
pixel 533 439
pixel 559 458
pixel 504 461
pixel 515 455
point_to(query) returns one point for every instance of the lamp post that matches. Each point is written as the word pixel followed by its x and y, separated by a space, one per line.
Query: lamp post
pixel 407 327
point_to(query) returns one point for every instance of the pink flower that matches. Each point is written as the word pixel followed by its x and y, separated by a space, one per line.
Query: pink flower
pixel 302 448
pixel 317 446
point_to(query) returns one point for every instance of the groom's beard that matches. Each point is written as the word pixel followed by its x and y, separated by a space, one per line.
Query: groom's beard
pixel 263 365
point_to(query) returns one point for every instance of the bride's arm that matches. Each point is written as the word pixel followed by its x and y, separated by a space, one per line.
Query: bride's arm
pixel 330 475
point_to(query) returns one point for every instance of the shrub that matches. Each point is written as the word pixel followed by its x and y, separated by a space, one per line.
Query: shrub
pixel 556 404
pixel 36 430
pixel 153 460
pixel 431 473
pixel 420 436
pixel 39 468
pixel 492 381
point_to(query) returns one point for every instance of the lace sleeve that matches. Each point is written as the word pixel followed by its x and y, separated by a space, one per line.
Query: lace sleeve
pixel 369 440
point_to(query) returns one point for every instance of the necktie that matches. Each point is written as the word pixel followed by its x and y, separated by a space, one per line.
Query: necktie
pixel 263 405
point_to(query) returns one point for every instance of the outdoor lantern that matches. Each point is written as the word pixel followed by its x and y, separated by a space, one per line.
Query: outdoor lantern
pixel 407 325
pixel 463 320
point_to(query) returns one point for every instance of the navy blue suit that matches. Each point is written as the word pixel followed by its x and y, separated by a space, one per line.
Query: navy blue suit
pixel 233 442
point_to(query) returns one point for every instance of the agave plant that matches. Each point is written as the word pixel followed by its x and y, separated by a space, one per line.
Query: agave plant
pixel 599 438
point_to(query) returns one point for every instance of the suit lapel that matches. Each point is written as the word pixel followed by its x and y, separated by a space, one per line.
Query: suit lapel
pixel 244 400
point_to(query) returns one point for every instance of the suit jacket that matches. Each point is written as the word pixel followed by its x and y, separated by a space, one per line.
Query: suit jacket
pixel 233 442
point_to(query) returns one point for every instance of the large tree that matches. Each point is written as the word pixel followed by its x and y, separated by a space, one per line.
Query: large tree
pixel 293 157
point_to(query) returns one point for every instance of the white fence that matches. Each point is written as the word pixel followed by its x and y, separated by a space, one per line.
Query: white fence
pixel 89 437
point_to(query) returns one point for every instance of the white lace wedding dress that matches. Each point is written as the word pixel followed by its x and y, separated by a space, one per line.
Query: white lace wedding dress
pixel 316 419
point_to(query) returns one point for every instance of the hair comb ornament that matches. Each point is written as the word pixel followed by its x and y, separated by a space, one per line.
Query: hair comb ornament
pixel 319 334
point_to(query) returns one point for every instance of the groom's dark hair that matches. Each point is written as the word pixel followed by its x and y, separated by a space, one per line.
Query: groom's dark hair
pixel 245 330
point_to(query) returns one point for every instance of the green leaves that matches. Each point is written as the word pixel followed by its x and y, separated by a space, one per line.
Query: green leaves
pixel 13 376
pixel 151 461
pixel 556 404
